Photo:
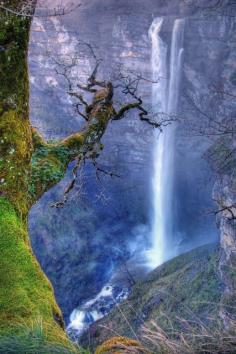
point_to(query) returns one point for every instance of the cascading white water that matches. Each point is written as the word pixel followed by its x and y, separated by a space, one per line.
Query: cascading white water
pixel 94 309
pixel 165 93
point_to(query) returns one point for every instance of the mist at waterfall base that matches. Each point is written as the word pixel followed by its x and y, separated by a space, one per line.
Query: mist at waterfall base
pixel 87 247
pixel 101 258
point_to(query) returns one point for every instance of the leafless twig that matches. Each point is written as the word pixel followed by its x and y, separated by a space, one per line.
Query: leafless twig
pixel 27 9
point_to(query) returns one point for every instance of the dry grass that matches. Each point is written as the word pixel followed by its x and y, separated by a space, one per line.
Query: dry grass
pixel 185 337
pixel 195 338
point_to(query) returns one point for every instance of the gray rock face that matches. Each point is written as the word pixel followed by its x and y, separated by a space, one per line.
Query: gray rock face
pixel 82 245
pixel 225 194
pixel 223 161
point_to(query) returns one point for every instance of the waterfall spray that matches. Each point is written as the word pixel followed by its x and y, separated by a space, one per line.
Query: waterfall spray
pixel 165 92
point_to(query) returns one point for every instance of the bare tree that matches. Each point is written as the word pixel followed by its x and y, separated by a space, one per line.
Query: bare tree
pixel 93 102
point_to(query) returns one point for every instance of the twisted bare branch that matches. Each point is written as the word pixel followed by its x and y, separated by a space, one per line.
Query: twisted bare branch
pixel 27 9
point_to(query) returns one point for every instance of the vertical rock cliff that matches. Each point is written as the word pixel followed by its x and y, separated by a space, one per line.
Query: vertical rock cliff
pixel 225 193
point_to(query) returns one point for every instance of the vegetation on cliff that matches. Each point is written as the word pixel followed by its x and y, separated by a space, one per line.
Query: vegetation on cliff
pixel 175 310
pixel 186 287
pixel 29 166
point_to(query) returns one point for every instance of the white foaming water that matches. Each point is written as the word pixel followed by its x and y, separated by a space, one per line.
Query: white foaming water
pixel 81 318
pixel 165 95
pixel 95 309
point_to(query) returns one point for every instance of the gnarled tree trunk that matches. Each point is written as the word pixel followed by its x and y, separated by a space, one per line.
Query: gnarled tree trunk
pixel 26 295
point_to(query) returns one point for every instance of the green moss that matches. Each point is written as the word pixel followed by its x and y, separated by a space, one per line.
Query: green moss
pixel 73 142
pixel 34 340
pixel 15 154
pixel 49 163
pixel 100 116
pixel 13 66
pixel 37 139
pixel 25 293
pixel 15 136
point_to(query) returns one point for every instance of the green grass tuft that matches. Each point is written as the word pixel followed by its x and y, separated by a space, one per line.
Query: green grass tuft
pixel 33 340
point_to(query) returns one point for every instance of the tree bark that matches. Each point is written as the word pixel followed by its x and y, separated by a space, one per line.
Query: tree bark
pixel 26 295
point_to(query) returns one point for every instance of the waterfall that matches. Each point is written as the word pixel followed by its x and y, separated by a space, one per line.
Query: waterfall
pixel 165 91
pixel 95 309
